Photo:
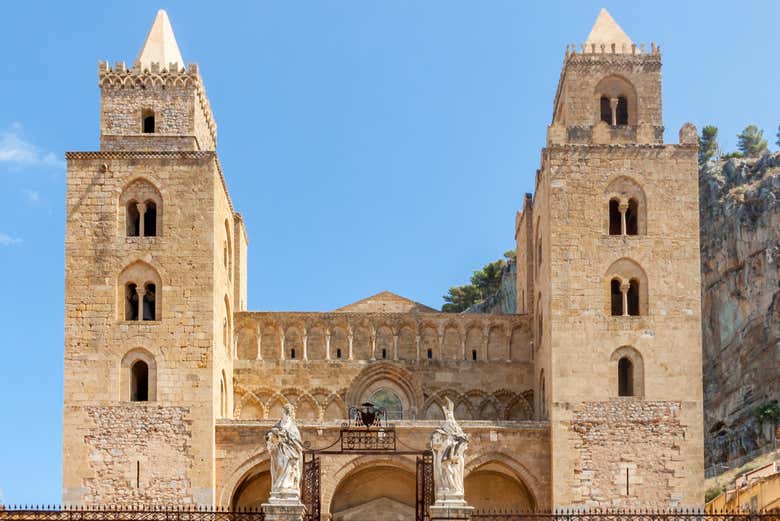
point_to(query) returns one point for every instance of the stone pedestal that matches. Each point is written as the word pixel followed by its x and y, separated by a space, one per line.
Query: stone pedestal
pixel 450 510
pixel 283 511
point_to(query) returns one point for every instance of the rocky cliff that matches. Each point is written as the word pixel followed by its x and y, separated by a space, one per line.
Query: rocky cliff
pixel 740 251
pixel 505 299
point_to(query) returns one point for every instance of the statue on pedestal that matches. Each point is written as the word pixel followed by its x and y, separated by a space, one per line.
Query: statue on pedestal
pixel 284 444
pixel 449 444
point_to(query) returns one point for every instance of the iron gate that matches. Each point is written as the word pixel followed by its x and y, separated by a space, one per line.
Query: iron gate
pixel 310 488
pixel 424 486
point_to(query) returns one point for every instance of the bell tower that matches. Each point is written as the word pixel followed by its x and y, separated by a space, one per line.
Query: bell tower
pixel 610 248
pixel 154 269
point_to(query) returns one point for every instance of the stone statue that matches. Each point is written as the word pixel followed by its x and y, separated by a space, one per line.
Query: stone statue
pixel 449 444
pixel 284 444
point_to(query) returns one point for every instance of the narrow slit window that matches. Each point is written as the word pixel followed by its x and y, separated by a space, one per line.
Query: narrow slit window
pixel 147 121
pixel 150 219
pixel 149 304
pixel 430 354
pixel 615 227
pixel 139 385
pixel 633 297
pixel 606 110
pixel 625 377
pixel 617 298
pixel 474 354
pixel 621 112
pixel 131 302
pixel 384 354
pixel 292 354
pixel 133 224
pixel 632 217
pixel 338 353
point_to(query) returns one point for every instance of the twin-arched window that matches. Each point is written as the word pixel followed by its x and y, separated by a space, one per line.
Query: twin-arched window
pixel 627 293
pixel 141 204
pixel 617 101
pixel 627 207
pixel 139 296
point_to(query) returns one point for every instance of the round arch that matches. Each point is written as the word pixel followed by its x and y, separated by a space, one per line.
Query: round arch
pixel 499 470
pixel 365 480
pixel 388 376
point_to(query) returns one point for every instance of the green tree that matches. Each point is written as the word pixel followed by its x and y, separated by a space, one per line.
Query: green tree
pixel 751 141
pixel 708 144
pixel 484 282
pixel 459 298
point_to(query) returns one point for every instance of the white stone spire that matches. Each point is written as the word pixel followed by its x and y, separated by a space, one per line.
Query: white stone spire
pixel 160 45
pixel 606 31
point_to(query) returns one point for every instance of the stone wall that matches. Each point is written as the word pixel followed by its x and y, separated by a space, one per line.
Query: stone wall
pixel 740 250
pixel 122 437
pixel 646 436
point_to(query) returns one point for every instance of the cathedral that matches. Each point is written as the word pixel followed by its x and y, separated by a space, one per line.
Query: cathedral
pixel 589 396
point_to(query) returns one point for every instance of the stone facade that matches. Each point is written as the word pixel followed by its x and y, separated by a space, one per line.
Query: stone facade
pixel 170 383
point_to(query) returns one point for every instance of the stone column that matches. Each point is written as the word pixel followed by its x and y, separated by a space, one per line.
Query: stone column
pixel 351 336
pixel 259 344
pixel 624 286
pixel 613 103
pixel 281 342
pixel 305 344
pixel 395 347
pixel 622 207
pixel 373 345
pixel 327 344
pixel 417 342
pixel 139 297
pixel 141 207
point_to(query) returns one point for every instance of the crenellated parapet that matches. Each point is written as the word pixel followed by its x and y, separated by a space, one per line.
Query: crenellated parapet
pixel 164 89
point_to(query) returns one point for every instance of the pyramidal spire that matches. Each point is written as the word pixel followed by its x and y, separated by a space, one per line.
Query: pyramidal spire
pixel 607 31
pixel 160 45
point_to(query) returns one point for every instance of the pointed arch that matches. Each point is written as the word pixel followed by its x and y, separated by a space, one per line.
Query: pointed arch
pixel 138 293
pixel 626 276
pixel 140 208
pixel 626 206
pixel 138 376
pixel 627 377
pixel 616 101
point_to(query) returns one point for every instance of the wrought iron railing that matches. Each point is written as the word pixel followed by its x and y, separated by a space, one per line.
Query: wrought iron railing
pixel 127 513
pixel 624 515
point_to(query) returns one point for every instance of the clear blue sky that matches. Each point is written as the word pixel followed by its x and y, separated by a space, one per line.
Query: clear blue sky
pixel 370 145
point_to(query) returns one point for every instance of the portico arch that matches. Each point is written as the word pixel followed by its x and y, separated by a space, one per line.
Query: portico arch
pixel 372 489
pixel 497 481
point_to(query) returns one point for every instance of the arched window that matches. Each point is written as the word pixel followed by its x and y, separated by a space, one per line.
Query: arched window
pixel 150 219
pixel 139 382
pixel 628 379
pixel 148 302
pixel 131 301
pixel 474 355
pixel 338 352
pixel 617 101
pixel 615 219
pixel 390 402
pixel 616 298
pixel 222 398
pixel 228 251
pixel 430 354
pixel 140 219
pixel 138 378
pixel 147 121
pixel 133 220
pixel 292 354
pixel 625 377
pixel 137 295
